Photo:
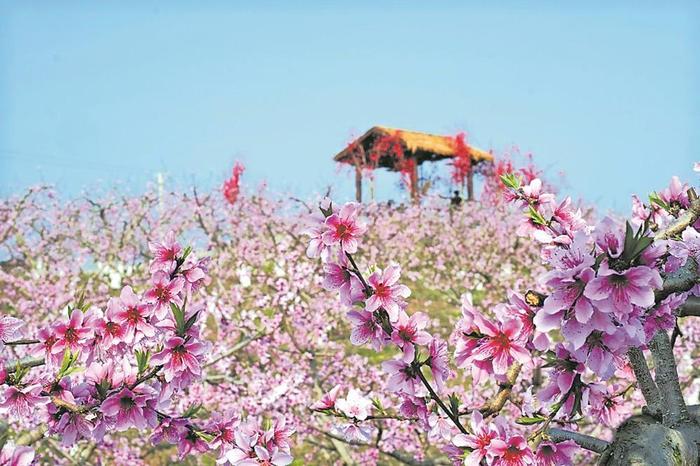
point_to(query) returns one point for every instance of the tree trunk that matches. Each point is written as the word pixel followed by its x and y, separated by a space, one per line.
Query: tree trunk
pixel 644 441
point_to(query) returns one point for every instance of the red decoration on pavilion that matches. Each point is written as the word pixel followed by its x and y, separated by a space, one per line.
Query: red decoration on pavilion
pixel 231 187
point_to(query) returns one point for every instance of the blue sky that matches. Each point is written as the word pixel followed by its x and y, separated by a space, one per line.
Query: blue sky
pixel 98 93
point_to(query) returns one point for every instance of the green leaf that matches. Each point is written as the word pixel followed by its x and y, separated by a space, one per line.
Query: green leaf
pixel 204 436
pixel 179 318
pixel 454 404
pixel 529 421
pixel 192 410
pixel 536 217
pixel 511 181
pixel 655 199
pixel 190 322
pixel 142 359
pixel 67 367
pixel 327 212
pixel 186 253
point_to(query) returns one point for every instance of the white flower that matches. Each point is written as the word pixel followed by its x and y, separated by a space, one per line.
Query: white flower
pixel 355 405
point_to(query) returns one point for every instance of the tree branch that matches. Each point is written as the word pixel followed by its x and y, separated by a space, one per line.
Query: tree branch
pixel 683 279
pixel 691 307
pixel 237 347
pixel 684 221
pixel 674 408
pixel 495 404
pixel 645 381
pixel 23 363
pixel 584 441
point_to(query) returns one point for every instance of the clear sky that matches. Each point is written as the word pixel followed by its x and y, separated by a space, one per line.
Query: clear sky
pixel 94 93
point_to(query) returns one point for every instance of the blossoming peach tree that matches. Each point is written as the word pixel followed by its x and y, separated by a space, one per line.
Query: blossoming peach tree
pixel 568 353
pixel 96 372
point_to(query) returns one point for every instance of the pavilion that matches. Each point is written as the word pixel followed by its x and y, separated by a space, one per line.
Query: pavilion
pixel 402 151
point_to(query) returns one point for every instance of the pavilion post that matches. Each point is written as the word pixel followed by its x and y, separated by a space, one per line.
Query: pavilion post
pixel 415 192
pixel 358 183
pixel 470 184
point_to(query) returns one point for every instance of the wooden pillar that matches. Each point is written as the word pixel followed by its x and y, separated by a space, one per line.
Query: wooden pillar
pixel 470 184
pixel 415 192
pixel 358 183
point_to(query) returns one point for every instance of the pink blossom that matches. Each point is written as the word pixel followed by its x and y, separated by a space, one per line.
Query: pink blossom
pixel 610 237
pixel 354 432
pixel 409 331
pixel 9 328
pixel 441 428
pixel 344 228
pixel 676 194
pixel 133 316
pixel 688 247
pixel 402 377
pixel 75 334
pixel 109 329
pixel 604 403
pixel 338 277
pixel 243 451
pixel 278 436
pixel 12 455
pixel 412 406
pixel 662 317
pixel 561 378
pixel 165 254
pixel 328 400
pixel 195 273
pixel 468 340
pixel 571 220
pixel 191 442
pixel 556 454
pixel 386 292
pixel 533 194
pixel 164 292
pixel 597 354
pixel 21 402
pixel 276 457
pixel 47 339
pixel 479 441
pixel 616 292
pixel 438 361
pixel 366 329
pixel 512 452
pixel 317 248
pixel 170 430
pixel 502 344
pixel 222 427
pixel 181 360
pixel 73 427
pixel 128 409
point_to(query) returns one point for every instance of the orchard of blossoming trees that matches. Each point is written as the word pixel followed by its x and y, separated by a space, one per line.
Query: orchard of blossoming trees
pixel 192 328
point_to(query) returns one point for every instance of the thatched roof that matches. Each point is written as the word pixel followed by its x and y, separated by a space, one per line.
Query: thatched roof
pixel 422 146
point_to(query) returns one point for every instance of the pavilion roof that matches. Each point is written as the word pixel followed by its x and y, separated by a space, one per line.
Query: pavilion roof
pixel 423 147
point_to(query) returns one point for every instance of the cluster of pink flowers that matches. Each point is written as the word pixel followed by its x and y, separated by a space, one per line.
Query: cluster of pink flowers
pixel 379 317
pixel 602 279
pixel 597 302
pixel 138 356
pixel 496 443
